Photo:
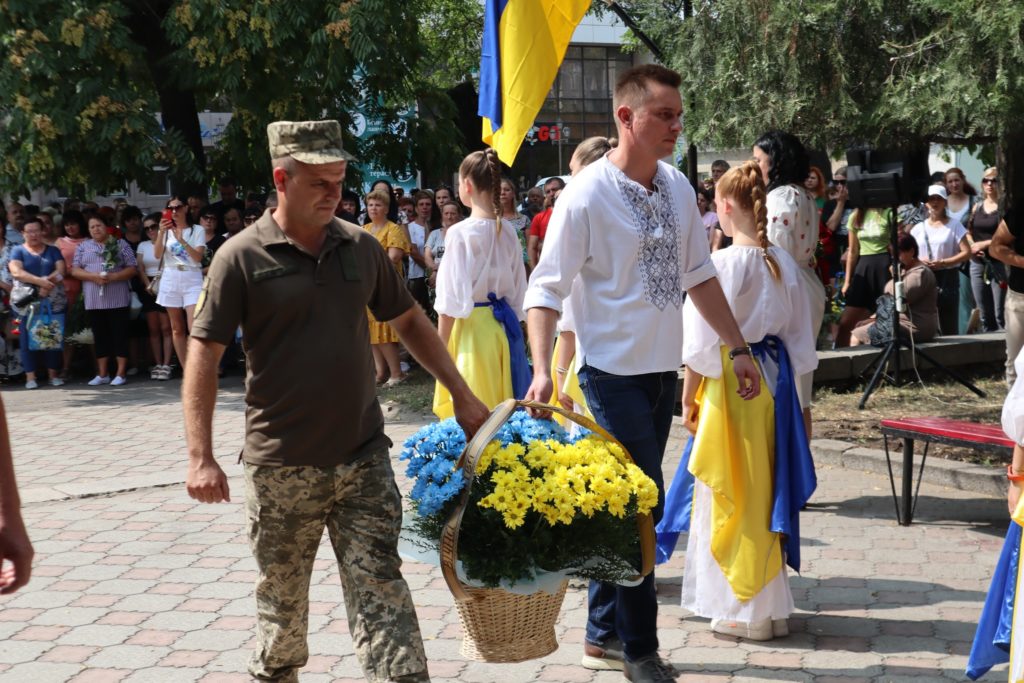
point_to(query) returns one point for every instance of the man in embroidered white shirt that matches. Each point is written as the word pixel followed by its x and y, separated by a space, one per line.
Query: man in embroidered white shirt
pixel 628 226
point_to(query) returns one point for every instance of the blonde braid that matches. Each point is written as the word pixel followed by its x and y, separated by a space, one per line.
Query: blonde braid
pixel 759 201
pixel 495 167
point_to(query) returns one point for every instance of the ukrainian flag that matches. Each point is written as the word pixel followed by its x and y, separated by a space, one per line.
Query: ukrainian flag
pixel 524 44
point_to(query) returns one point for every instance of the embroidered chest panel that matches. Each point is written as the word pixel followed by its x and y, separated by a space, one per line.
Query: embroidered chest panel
pixel 657 226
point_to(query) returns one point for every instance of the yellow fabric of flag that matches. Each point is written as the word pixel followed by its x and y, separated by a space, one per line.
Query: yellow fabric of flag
pixel 532 38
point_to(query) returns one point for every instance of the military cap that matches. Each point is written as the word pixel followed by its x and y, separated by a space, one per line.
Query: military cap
pixel 311 142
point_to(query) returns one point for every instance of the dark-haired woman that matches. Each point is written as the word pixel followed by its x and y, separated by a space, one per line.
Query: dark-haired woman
pixel 158 324
pixel 132 233
pixel 793 225
pixel 73 225
pixel 105 265
pixel 480 288
pixel 182 247
pixel 867 268
pixel 960 203
pixel 39 264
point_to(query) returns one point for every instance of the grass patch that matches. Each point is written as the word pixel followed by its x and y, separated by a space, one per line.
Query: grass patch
pixel 836 415
pixel 414 395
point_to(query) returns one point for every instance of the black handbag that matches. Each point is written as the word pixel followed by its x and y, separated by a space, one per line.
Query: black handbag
pixel 22 295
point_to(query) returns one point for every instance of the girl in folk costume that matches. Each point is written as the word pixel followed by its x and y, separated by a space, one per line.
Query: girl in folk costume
pixel 748 466
pixel 480 288
pixel 1000 634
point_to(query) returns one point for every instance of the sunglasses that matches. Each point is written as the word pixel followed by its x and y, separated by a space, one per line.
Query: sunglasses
pixel 839 182
pixel 208 217
pixel 150 227
pixel 175 207
pixel 989 181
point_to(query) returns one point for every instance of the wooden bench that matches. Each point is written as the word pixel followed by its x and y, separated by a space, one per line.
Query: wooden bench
pixel 979 437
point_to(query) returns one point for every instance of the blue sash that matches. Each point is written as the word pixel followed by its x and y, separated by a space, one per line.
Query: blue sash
pixel 506 317
pixel 795 480
pixel 992 639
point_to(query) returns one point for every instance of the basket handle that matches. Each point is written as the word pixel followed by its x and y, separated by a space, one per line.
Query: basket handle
pixel 468 462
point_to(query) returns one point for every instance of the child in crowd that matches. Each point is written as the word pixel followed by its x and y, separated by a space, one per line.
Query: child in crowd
pixel 480 288
pixel 750 459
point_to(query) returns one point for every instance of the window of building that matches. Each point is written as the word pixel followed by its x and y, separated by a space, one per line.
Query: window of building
pixel 159 183
pixel 578 106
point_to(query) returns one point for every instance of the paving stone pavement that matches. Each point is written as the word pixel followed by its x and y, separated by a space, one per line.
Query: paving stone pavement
pixel 144 585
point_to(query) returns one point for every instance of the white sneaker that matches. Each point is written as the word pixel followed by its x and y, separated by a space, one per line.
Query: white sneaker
pixel 758 630
pixel 31 384
pixel 56 382
pixel 118 381
pixel 97 380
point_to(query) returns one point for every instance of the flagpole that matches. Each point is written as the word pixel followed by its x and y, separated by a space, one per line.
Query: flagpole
pixel 691 150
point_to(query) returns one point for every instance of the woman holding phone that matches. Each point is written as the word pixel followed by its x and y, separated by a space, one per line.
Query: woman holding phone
pixel 182 247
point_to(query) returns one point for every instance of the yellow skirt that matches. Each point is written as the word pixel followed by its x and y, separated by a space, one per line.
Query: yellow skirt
pixel 570 387
pixel 734 455
pixel 479 347
pixel 380 333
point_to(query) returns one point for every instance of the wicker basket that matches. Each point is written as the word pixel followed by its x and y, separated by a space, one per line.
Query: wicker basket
pixel 499 626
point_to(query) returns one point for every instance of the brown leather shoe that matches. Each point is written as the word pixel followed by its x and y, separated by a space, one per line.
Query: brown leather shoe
pixel 607 657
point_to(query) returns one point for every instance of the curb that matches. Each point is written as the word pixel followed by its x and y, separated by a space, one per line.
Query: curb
pixel 963 476
pixel 986 480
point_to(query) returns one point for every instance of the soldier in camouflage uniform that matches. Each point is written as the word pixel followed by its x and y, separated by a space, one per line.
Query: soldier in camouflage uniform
pixel 299 282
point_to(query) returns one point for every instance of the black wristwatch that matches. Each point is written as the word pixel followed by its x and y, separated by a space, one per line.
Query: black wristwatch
pixel 739 351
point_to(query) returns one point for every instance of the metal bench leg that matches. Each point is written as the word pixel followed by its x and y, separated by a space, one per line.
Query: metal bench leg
pixel 892 481
pixel 908 482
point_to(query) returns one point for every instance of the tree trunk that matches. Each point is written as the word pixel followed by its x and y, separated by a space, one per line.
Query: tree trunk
pixel 177 105
pixel 1010 162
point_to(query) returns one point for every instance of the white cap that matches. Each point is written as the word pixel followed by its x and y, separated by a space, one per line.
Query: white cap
pixel 937 191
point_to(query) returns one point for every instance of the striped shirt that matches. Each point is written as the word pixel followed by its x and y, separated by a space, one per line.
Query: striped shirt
pixel 89 257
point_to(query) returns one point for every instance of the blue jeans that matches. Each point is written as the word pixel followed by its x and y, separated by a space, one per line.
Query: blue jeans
pixel 637 410
pixel 989 296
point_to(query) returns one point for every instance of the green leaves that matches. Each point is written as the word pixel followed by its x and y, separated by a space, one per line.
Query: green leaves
pixel 844 71
pixel 84 81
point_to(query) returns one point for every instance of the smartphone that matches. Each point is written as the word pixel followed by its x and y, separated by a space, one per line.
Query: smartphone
pixel 168 215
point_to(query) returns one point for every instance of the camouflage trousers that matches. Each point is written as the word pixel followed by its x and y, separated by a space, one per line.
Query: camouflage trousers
pixel 287 509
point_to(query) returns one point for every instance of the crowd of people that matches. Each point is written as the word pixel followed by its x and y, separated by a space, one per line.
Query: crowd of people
pixel 607 271
pixel 123 282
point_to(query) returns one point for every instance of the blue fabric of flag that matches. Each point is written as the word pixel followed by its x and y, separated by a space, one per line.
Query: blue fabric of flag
pixel 489 105
pixel 992 639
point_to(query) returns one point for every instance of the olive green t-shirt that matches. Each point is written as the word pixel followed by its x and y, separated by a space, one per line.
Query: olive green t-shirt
pixel 873 234
pixel 310 391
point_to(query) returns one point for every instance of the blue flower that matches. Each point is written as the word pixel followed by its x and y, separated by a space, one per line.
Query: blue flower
pixel 432 455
